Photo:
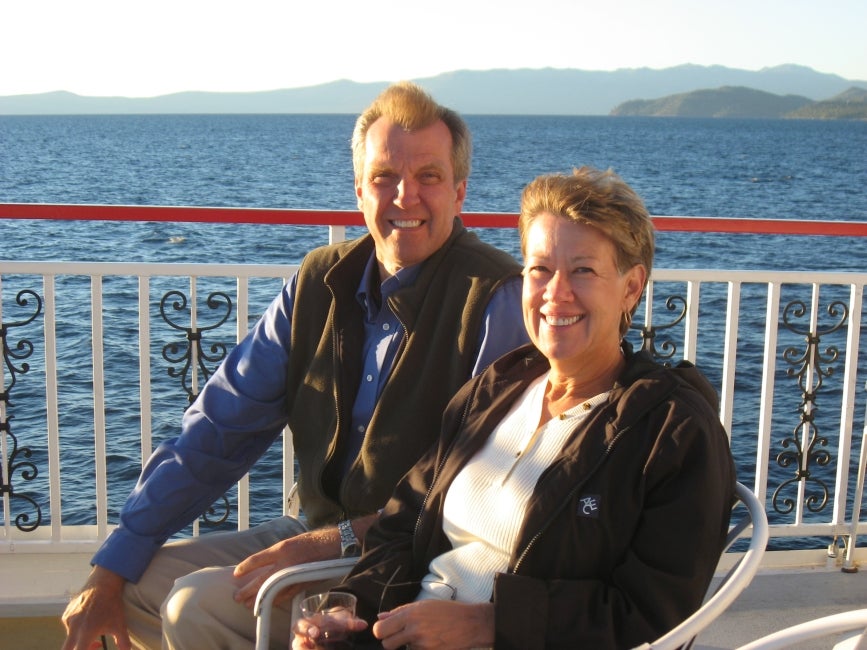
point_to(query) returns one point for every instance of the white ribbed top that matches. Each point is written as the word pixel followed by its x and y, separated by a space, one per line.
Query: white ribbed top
pixel 485 505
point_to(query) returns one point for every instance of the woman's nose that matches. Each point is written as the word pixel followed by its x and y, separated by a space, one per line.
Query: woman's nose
pixel 558 287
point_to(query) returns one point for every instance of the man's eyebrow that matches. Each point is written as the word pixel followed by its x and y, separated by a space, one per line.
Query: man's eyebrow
pixel 378 168
pixel 433 164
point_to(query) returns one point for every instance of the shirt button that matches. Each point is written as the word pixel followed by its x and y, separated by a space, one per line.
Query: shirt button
pixel 386 327
pixel 369 377
pixel 360 428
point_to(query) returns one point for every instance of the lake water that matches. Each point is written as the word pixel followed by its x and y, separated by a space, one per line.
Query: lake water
pixel 731 168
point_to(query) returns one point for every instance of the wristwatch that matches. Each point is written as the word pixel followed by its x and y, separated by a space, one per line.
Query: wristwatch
pixel 349 546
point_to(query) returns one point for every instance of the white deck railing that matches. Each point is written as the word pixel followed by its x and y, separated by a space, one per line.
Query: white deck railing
pixel 731 323
pixel 95 375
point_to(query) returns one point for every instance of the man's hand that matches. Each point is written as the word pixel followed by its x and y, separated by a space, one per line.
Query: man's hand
pixel 313 546
pixel 95 611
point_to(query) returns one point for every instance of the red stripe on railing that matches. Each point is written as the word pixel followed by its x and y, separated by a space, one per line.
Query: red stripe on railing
pixel 354 218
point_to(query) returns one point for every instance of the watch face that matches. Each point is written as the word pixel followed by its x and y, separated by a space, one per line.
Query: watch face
pixel 351 550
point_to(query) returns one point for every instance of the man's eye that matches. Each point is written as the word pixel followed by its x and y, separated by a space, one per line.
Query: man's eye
pixel 382 178
pixel 429 178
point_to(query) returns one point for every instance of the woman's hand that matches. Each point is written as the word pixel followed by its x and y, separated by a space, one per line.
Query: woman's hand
pixel 430 624
pixel 307 633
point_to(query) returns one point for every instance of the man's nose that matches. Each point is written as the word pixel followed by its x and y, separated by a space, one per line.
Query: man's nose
pixel 407 193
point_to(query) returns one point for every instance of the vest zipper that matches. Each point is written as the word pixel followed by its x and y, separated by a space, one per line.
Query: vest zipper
pixel 442 463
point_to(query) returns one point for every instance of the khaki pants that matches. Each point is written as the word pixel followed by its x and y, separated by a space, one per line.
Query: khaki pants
pixel 184 601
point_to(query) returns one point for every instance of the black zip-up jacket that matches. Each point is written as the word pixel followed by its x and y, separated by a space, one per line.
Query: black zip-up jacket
pixel 622 534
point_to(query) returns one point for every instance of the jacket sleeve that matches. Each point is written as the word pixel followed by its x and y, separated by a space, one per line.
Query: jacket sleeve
pixel 657 573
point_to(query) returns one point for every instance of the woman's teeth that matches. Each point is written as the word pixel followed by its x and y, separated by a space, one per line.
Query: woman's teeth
pixel 562 321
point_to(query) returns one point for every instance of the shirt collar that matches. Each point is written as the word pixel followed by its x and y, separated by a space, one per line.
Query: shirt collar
pixel 403 278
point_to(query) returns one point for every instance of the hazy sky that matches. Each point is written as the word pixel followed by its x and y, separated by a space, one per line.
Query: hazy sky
pixel 141 48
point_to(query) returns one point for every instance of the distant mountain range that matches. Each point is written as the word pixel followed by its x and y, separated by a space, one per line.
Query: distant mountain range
pixel 546 91
pixel 731 101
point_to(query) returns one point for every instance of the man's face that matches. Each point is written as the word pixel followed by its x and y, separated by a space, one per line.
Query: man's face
pixel 408 192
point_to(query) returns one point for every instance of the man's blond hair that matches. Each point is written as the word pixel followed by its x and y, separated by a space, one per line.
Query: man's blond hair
pixel 409 106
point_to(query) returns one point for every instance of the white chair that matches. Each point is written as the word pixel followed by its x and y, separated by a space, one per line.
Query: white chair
pixel 734 582
pixel 310 572
pixel 816 628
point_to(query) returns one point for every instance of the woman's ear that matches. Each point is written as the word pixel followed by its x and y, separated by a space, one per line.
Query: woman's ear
pixel 636 280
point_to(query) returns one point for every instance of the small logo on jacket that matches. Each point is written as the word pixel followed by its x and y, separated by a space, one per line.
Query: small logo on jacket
pixel 588 506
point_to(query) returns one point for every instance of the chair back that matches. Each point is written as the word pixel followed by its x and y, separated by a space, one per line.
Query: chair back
pixel 752 513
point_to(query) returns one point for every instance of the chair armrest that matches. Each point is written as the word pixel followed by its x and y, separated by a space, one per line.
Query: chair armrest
pixel 309 572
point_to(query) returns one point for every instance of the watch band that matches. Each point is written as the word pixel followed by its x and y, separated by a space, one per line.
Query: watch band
pixel 349 546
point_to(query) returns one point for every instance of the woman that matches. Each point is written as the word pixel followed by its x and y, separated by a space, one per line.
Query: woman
pixel 580 492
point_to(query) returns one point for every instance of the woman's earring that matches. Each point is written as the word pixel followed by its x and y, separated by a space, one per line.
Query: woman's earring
pixel 627 322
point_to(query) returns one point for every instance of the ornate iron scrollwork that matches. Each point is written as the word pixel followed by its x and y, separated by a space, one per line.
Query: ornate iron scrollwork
pixel 648 333
pixel 18 458
pixel 182 353
pixel 811 367
pixel 225 510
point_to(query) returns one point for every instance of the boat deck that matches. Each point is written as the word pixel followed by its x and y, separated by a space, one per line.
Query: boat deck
pixel 776 599
pixel 780 598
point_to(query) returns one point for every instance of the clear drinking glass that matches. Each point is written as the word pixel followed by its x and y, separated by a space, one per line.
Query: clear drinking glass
pixel 330 612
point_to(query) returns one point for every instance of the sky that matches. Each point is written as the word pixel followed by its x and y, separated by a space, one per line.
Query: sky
pixel 138 48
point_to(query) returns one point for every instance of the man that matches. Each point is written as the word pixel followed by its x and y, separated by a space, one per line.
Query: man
pixel 359 354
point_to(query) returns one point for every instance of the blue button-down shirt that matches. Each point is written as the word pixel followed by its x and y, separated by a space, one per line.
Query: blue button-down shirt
pixel 241 411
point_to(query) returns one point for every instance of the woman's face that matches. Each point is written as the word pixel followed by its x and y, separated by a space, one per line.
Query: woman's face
pixel 574 296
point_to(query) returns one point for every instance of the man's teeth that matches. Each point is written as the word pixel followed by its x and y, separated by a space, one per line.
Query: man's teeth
pixel 407 223
pixel 559 322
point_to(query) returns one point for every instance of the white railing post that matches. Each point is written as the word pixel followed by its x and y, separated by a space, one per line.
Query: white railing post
pixel 766 397
pixel 99 446
pixel 727 393
pixel 144 364
pixel 847 413
pixel 336 234
pixel 52 409
pixel 849 561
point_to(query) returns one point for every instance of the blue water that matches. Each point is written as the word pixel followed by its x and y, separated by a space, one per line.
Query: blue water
pixel 732 168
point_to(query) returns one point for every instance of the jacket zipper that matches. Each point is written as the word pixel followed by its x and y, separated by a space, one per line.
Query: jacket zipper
pixel 568 499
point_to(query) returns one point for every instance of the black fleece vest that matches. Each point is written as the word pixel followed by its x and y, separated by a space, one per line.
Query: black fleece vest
pixel 442 315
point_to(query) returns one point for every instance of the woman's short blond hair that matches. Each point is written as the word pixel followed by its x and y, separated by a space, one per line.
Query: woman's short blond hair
pixel 600 199
pixel 409 106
